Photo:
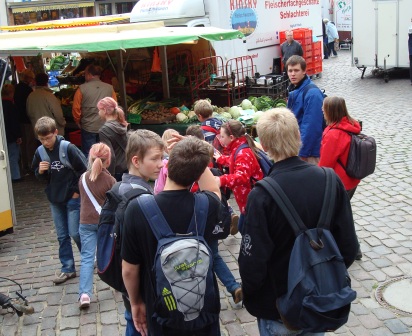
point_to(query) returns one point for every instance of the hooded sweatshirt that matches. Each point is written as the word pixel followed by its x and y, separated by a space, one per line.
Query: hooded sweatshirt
pixel 335 149
pixel 114 135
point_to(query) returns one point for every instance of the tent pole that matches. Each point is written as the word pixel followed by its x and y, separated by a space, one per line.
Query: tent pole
pixel 165 75
pixel 122 83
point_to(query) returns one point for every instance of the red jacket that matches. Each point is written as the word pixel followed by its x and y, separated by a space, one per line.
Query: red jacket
pixel 335 147
pixel 240 171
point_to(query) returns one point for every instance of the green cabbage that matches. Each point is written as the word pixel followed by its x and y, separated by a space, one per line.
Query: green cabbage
pixel 235 111
pixel 256 116
pixel 246 104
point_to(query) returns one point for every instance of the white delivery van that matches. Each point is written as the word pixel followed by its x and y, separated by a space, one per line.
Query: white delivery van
pixel 260 21
pixel 380 35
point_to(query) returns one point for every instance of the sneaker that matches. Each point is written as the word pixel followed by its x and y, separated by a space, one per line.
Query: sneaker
pixel 63 277
pixel 237 295
pixel 84 301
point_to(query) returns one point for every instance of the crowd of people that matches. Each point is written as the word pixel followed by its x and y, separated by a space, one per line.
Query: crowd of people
pixel 215 159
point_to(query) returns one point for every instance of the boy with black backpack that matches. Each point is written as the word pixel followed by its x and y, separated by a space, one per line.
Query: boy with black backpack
pixel 60 163
pixel 144 157
pixel 170 281
pixel 275 278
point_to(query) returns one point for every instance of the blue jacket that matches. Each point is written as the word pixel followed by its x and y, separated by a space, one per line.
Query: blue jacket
pixel 309 114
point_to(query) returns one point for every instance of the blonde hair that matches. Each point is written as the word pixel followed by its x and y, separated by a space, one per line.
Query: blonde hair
pixel 99 158
pixel 203 108
pixel 140 142
pixel 167 135
pixel 278 133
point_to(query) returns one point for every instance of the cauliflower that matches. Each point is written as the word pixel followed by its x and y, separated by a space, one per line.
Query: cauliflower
pixel 181 117
pixel 191 114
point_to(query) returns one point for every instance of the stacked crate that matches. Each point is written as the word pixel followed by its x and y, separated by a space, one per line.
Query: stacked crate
pixel 312 51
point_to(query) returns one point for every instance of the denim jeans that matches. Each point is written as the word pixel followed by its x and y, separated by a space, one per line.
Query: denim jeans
pixel 66 218
pixel 88 140
pixel 14 154
pixel 130 329
pixel 88 238
pixel 221 270
pixel 275 328
pixel 240 223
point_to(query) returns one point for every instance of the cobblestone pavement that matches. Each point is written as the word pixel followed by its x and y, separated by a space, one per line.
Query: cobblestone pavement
pixel 382 209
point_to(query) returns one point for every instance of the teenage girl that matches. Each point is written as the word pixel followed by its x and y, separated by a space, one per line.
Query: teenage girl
pixel 114 134
pixel 98 180
pixel 244 169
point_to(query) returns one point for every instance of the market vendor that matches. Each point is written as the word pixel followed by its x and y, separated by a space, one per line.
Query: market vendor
pixel 85 111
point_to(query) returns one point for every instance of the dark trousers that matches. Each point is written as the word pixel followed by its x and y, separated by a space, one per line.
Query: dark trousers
pixel 410 67
pixel 331 46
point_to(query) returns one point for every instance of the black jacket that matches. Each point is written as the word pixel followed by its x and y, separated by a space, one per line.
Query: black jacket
pixel 63 182
pixel 114 135
pixel 268 239
pixel 21 93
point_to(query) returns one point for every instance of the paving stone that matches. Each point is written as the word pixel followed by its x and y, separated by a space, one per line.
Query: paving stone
pixel 235 329
pixel 396 326
pixel 69 323
pixel 48 323
pixel 110 330
pixel 48 332
pixel 383 314
pixel 29 330
pixel 227 316
pixel 244 316
pixel 86 318
pixel 70 310
pixel 88 330
pixel 108 318
pixel 107 305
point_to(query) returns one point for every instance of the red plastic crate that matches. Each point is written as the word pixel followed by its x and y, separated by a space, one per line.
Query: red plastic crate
pixel 307 54
pixel 75 138
pixel 317 46
pixel 302 33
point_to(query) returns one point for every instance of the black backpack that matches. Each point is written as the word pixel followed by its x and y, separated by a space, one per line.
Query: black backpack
pixel 109 261
pixel 319 288
pixel 362 156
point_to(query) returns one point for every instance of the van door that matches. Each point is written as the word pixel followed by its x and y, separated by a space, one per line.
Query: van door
pixel 387 33
pixel 7 214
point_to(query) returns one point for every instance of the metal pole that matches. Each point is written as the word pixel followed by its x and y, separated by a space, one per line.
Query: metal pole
pixel 165 75
pixel 122 82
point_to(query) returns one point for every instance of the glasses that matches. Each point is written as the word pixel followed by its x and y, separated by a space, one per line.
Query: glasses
pixel 46 138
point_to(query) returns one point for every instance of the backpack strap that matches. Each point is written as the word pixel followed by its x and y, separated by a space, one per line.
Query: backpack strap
pixel 198 223
pixel 154 217
pixel 158 223
pixel 328 206
pixel 242 146
pixel 43 154
pixel 285 205
pixel 63 154
pixel 90 195
pixel 210 129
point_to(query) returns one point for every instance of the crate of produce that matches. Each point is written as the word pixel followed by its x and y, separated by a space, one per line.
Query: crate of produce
pixel 75 138
pixel 134 118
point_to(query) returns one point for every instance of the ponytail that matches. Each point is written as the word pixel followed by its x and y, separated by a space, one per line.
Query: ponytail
pixel 99 158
